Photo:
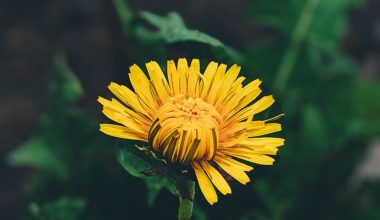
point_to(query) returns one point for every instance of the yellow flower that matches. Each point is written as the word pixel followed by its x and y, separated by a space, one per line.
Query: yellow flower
pixel 201 120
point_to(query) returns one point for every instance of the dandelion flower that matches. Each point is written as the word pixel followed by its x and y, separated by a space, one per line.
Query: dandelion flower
pixel 199 120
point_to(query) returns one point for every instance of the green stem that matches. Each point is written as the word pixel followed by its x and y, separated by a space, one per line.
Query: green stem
pixel 185 209
pixel 291 54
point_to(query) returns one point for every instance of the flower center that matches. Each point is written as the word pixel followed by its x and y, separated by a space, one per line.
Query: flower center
pixel 185 129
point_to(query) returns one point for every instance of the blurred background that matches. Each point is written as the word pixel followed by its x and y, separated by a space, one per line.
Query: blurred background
pixel 320 58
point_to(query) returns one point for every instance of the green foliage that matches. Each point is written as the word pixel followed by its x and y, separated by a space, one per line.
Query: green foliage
pixel 134 164
pixel 64 208
pixel 314 128
pixel 313 27
pixel 330 118
pixel 36 154
pixel 326 27
pixel 172 29
pixel 367 107
pixel 68 155
pixel 321 98
pixel 43 150
pixel 65 87
pixel 125 15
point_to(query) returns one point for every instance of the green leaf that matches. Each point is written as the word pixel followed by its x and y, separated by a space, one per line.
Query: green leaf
pixel 315 24
pixel 155 185
pixel 367 108
pixel 199 213
pixel 35 210
pixel 65 208
pixel 125 15
pixel 173 29
pixel 46 150
pixel 37 153
pixel 134 164
pixel 277 206
pixel 314 128
pixel 65 87
pixel 326 27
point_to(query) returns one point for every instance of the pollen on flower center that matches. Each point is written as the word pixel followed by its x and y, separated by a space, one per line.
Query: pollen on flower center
pixel 186 129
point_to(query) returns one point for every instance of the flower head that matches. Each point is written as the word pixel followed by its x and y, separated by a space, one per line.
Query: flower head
pixel 200 120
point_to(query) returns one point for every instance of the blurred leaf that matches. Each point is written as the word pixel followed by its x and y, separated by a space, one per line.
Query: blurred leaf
pixel 65 87
pixel 37 154
pixel 367 106
pixel 65 208
pixel 277 207
pixel 125 15
pixel 155 185
pixel 198 213
pixel 261 58
pixel 311 28
pixel 327 114
pixel 326 27
pixel 34 210
pixel 329 24
pixel 134 164
pixel 44 151
pixel 314 128
pixel 173 29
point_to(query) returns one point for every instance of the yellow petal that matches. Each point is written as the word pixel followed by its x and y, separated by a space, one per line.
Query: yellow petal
pixel 192 83
pixel 254 158
pixel 209 75
pixel 240 127
pixel 158 80
pixel 205 184
pixel 117 106
pixel 235 96
pixel 217 84
pixel 225 90
pixel 268 150
pixel 256 108
pixel 130 98
pixel 173 77
pixel 263 141
pixel 235 163
pixel 232 74
pixel 268 129
pixel 195 65
pixel 234 171
pixel 274 118
pixel 120 132
pixel 216 178
pixel 264 103
pixel 142 86
pixel 118 113
pixel 250 92
pixel 254 154
pixel 183 72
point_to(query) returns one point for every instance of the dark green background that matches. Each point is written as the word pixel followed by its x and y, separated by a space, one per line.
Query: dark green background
pixel 320 59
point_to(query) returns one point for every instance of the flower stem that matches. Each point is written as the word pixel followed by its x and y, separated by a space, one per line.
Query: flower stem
pixel 298 36
pixel 185 209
